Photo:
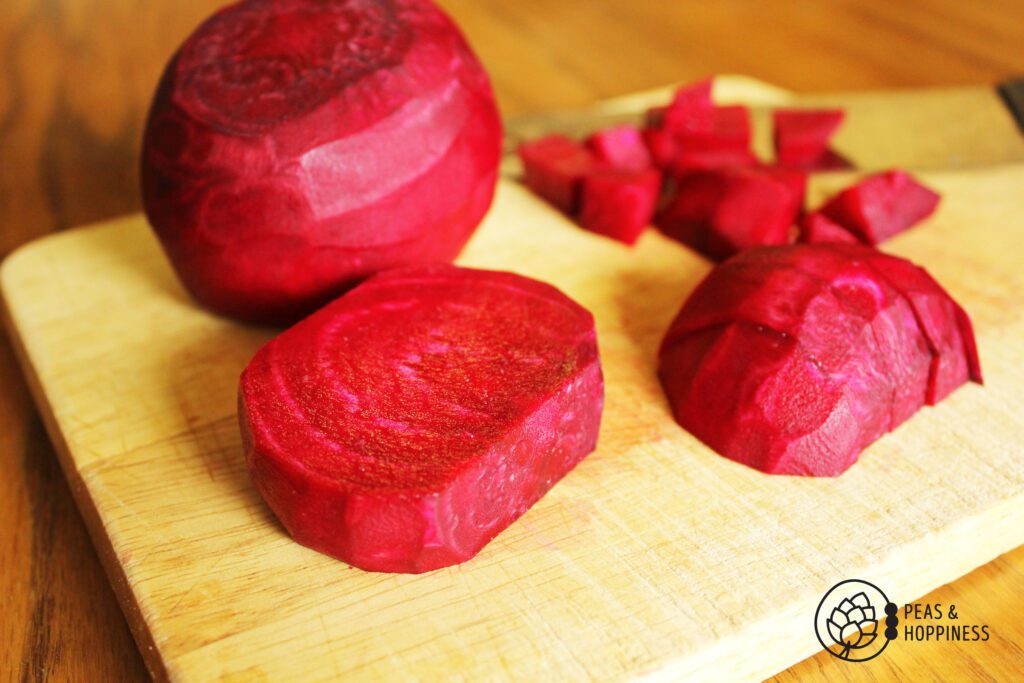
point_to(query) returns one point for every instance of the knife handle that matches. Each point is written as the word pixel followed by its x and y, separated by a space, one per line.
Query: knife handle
pixel 1012 92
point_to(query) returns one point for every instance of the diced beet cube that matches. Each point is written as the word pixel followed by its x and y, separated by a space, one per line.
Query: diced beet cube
pixel 662 146
pixel 620 204
pixel 817 228
pixel 794 359
pixel 621 147
pixel 721 212
pixel 802 135
pixel 796 181
pixel 881 206
pixel 554 167
pixel 691 109
pixel 831 160
pixel 726 144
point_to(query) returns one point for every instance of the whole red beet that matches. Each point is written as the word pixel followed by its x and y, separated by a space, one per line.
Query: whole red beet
pixel 403 426
pixel 296 147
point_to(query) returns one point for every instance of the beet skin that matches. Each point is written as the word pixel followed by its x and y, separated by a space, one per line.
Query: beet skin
pixel 793 359
pixel 295 147
pixel 403 426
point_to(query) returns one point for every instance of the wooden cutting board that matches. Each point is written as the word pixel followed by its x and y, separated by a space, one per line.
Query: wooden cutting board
pixel 654 556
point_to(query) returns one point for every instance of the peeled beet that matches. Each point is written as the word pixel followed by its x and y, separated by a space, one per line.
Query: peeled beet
pixel 403 426
pixel 881 206
pixel 794 359
pixel 620 204
pixel 554 167
pixel 295 147
pixel 720 212
pixel 802 136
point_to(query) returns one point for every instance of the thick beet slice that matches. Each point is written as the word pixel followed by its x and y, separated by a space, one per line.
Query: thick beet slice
pixel 621 147
pixel 720 212
pixel 881 206
pixel 403 426
pixel 295 147
pixel 794 359
pixel 620 204
pixel 802 136
pixel 554 167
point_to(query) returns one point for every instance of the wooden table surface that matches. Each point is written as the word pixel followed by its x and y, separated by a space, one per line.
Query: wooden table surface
pixel 75 81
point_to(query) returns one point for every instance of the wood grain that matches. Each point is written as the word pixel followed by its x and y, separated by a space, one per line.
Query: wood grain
pixel 75 78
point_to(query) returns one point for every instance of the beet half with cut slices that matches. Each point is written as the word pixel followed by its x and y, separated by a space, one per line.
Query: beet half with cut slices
pixel 794 359
pixel 295 147
pixel 403 426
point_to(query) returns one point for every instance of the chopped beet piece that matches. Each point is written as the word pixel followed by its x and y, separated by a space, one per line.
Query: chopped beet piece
pixel 817 228
pixel 621 147
pixel 796 181
pixel 881 206
pixel 724 211
pixel 620 204
pixel 662 145
pixel 794 359
pixel 802 136
pixel 689 145
pixel 554 166
pixel 404 425
pixel 691 110
pixel 727 143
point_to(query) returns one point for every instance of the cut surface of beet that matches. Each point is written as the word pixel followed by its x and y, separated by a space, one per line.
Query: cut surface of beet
pixel 620 204
pixel 720 212
pixel 404 425
pixel 881 206
pixel 621 147
pixel 295 147
pixel 554 168
pixel 802 136
pixel 794 359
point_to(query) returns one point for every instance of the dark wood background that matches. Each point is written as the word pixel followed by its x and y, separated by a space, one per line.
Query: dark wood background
pixel 75 80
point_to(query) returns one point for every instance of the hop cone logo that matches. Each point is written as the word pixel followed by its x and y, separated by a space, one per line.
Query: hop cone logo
pixel 848 617
pixel 852 624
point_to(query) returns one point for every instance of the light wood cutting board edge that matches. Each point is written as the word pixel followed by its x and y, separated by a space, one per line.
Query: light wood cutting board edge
pixel 83 500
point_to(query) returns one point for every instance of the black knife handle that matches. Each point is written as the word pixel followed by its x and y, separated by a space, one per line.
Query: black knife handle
pixel 1012 92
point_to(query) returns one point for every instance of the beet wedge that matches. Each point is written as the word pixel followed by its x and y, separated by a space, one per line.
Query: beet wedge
pixel 794 359
pixel 404 425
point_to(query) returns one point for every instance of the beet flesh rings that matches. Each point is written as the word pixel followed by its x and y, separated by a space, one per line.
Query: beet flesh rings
pixel 406 424
pixel 295 147
pixel 793 359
